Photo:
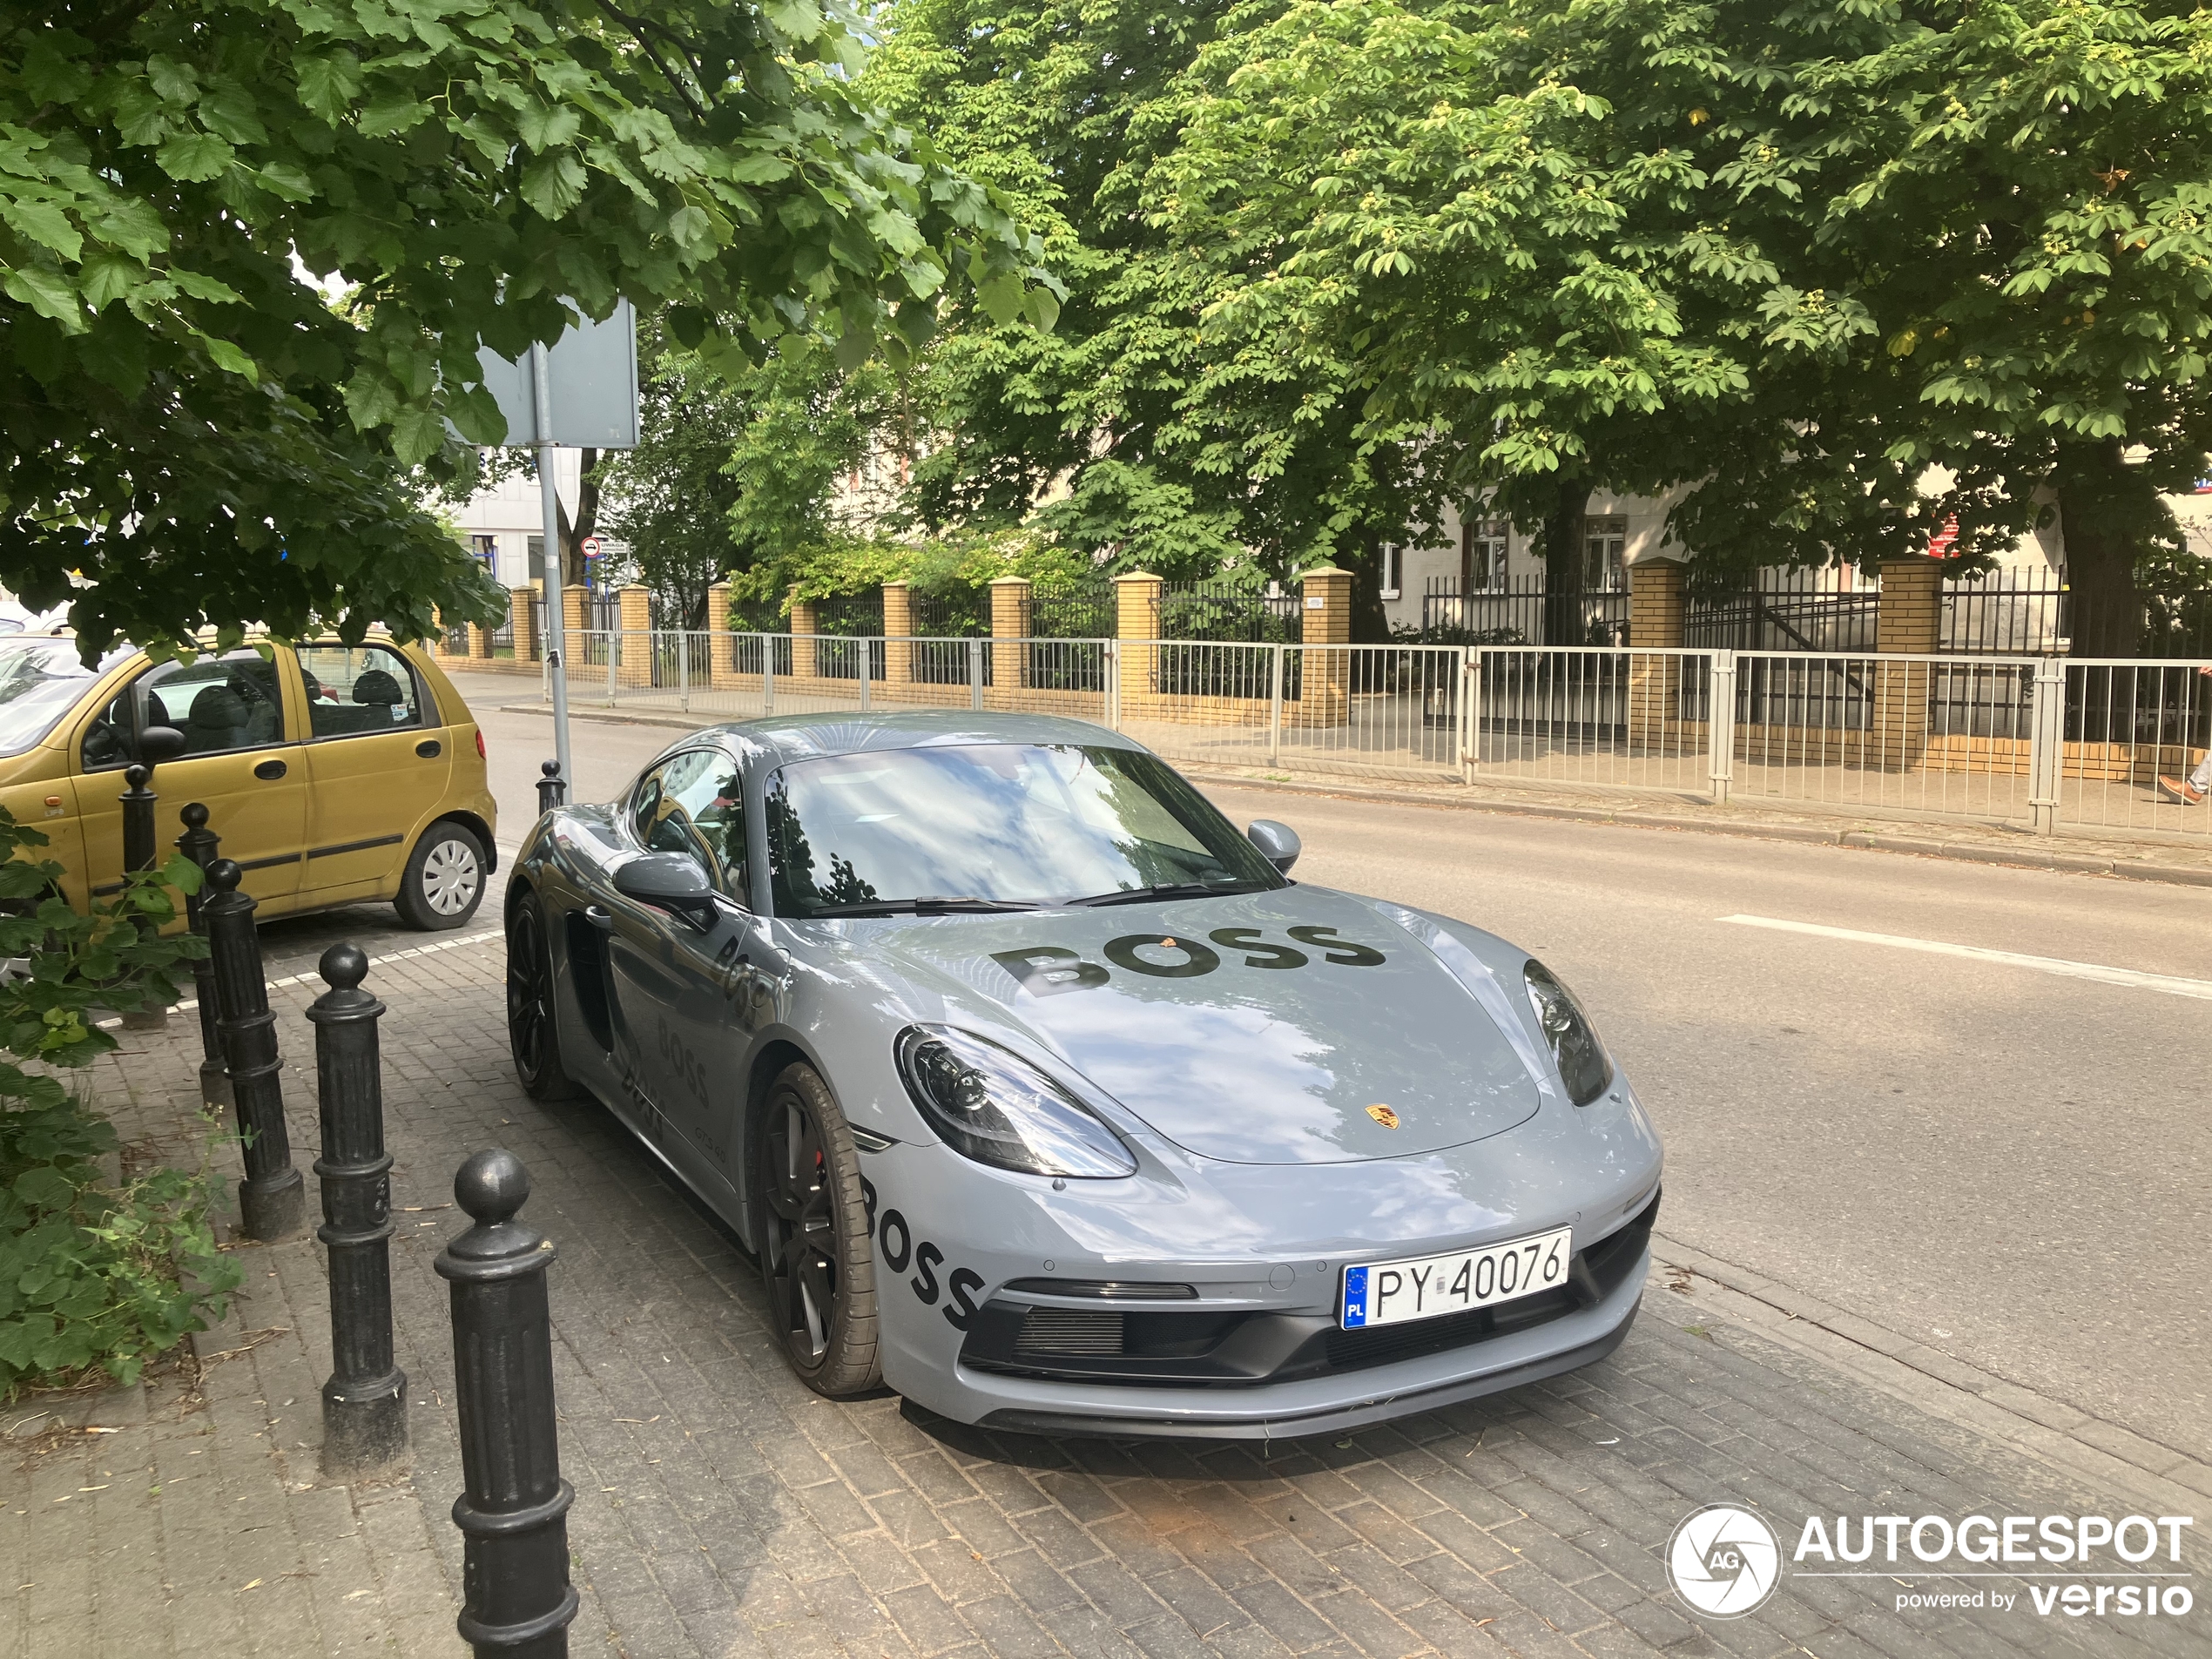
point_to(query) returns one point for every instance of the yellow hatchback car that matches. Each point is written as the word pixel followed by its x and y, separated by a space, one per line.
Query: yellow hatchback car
pixel 334 773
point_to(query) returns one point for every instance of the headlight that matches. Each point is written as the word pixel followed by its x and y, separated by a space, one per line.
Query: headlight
pixel 1000 1110
pixel 1583 1065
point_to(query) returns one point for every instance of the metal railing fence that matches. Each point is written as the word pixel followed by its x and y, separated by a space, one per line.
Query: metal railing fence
pixel 2035 742
pixel 1225 613
pixel 1079 611
pixel 1786 611
pixel 1522 610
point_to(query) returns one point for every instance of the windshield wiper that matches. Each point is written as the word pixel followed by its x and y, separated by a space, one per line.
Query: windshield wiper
pixel 927 904
pixel 1169 890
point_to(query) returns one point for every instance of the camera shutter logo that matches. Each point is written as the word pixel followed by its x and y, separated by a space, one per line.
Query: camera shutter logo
pixel 1725 1562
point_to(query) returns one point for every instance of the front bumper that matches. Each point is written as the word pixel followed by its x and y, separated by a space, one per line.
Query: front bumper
pixel 1041 1367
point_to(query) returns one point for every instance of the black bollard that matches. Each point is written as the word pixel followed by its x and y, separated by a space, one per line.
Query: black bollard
pixel 137 819
pixel 516 1600
pixel 156 744
pixel 364 1404
pixel 272 1200
pixel 200 844
pixel 552 788
pixel 138 855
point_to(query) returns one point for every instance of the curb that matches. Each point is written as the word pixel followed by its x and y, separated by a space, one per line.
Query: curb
pixel 2025 857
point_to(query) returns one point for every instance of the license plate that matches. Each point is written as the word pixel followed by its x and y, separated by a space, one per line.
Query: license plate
pixel 1429 1286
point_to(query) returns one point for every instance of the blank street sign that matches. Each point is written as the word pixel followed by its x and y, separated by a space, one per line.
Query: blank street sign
pixel 594 372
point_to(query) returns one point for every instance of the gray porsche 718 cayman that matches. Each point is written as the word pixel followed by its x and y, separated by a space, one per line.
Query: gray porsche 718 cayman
pixel 1050 1100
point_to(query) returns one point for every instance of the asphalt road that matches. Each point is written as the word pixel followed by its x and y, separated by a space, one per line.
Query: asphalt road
pixel 2005 1163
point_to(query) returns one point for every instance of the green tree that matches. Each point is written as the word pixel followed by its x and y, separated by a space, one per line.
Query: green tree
pixel 1173 455
pixel 2035 238
pixel 671 497
pixel 187 417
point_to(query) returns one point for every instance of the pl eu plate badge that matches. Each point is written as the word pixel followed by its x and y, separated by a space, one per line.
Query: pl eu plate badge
pixel 1355 1298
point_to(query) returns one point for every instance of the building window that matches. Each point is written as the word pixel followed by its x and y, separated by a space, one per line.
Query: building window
pixel 487 548
pixel 1605 541
pixel 1482 556
pixel 1393 558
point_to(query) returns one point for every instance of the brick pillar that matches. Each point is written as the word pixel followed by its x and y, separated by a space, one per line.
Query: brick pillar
pixel 1325 678
pixel 1009 621
pixel 898 626
pixel 1656 604
pixel 721 649
pixel 521 606
pixel 1136 618
pixel 575 609
pixel 479 643
pixel 1910 617
pixel 803 665
pixel 637 636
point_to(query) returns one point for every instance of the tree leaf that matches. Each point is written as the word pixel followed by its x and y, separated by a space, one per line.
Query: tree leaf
pixel 543 127
pixel 1001 298
pixel 553 184
pixel 48 293
pixel 43 223
pixel 229 358
pixel 194 158
pixel 329 84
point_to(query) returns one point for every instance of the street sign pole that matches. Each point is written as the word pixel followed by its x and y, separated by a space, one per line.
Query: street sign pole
pixel 555 596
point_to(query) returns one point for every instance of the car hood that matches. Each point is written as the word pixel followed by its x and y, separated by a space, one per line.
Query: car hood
pixel 1269 1033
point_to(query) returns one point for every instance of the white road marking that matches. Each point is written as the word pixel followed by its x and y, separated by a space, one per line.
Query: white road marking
pixel 2172 985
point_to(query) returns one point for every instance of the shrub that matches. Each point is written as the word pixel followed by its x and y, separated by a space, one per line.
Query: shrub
pixel 90 1275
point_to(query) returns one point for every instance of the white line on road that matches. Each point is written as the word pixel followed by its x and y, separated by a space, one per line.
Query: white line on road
pixel 2172 985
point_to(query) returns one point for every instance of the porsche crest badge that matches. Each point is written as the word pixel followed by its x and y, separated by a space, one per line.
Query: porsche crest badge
pixel 1384 1116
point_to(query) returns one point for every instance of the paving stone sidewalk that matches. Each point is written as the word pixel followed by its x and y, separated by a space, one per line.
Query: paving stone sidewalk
pixel 722 1510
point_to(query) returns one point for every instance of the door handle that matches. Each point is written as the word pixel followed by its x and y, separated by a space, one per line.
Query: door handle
pixel 429 748
pixel 269 771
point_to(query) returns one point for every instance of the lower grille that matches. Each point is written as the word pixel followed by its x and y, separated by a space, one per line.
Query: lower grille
pixel 1069 1330
pixel 1384 1343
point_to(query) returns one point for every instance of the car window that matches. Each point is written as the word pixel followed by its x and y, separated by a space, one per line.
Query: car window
pixel 354 691
pixel 1021 822
pixel 220 704
pixel 40 681
pixel 693 804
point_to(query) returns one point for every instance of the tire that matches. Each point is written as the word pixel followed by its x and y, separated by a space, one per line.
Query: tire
pixel 533 1026
pixel 444 881
pixel 816 1257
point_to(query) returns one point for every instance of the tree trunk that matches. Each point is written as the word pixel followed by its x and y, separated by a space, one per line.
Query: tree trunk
pixel 1370 622
pixel 587 520
pixel 1564 576
pixel 2110 514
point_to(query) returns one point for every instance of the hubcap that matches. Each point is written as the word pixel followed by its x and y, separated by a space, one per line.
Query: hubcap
pixel 450 877
pixel 527 977
pixel 803 1277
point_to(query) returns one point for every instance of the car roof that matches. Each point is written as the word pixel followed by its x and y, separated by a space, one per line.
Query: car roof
pixel 803 737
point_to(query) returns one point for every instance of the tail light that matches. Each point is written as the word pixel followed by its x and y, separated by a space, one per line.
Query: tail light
pixel 480 744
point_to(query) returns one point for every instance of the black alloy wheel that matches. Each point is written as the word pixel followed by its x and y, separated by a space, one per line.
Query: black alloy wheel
pixel 532 1032
pixel 816 1256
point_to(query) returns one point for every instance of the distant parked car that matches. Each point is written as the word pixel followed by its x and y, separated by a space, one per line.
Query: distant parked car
pixel 334 773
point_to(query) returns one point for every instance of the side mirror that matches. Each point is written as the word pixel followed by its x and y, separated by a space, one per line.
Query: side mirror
pixel 159 743
pixel 1279 843
pixel 668 881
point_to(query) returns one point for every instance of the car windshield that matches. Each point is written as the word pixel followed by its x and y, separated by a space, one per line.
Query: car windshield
pixel 1006 823
pixel 40 681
